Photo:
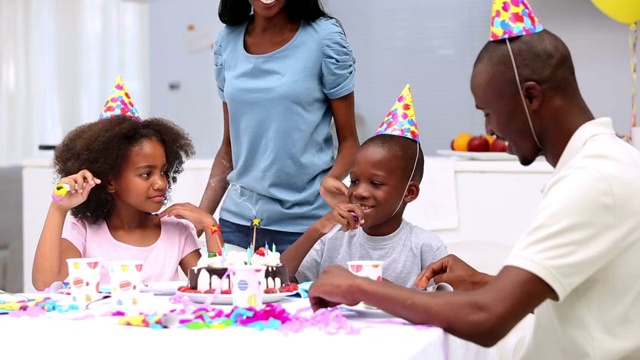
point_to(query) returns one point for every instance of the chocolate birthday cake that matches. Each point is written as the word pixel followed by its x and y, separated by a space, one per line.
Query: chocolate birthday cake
pixel 210 272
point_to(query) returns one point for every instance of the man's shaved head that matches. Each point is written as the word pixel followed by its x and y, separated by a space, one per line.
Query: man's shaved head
pixel 548 92
pixel 542 58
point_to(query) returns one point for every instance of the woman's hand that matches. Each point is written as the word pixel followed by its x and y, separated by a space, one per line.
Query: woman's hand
pixel 333 191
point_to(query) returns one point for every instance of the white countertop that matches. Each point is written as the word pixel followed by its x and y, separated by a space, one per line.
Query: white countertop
pixel 540 166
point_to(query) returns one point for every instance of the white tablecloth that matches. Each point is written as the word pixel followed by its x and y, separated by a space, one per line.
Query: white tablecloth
pixel 55 335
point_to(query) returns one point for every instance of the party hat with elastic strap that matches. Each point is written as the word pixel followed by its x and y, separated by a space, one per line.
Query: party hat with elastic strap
pixel 401 119
pixel 513 18
pixel 119 102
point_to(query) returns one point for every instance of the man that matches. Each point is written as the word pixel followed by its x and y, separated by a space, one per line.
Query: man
pixel 577 264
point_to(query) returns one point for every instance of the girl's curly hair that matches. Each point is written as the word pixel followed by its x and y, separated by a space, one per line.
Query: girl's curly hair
pixel 102 147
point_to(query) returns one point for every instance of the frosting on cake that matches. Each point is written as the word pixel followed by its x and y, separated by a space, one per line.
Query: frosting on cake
pixel 209 272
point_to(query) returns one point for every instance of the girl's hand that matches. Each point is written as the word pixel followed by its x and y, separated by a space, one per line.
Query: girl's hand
pixel 349 216
pixel 198 217
pixel 80 186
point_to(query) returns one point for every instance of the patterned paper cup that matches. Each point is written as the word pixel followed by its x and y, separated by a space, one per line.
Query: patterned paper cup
pixel 84 279
pixel 366 268
pixel 246 285
pixel 125 281
pixel 440 287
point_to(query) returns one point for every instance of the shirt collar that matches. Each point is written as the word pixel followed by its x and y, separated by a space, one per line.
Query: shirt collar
pixel 600 126
pixel 382 241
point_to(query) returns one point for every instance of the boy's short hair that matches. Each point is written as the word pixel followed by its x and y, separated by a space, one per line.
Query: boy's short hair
pixel 404 149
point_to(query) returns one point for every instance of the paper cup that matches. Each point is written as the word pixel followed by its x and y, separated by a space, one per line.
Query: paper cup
pixel 366 268
pixel 440 287
pixel 246 285
pixel 84 279
pixel 125 279
pixel 635 137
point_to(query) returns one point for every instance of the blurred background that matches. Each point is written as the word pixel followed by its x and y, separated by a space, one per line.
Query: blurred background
pixel 59 59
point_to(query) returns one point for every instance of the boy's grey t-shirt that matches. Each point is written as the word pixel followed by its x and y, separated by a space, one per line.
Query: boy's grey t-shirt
pixel 405 252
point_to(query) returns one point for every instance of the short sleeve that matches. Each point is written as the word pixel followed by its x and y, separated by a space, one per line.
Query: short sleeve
pixel 189 238
pixel 338 62
pixel 570 238
pixel 218 61
pixel 309 269
pixel 430 254
pixel 75 231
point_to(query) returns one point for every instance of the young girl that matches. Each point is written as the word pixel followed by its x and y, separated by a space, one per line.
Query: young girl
pixel 119 172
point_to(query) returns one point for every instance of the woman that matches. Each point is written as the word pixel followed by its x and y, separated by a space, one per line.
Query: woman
pixel 284 69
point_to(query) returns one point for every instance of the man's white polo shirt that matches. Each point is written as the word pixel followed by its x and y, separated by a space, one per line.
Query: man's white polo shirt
pixel 585 243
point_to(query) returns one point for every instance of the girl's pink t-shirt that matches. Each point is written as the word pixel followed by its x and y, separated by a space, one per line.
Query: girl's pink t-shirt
pixel 160 260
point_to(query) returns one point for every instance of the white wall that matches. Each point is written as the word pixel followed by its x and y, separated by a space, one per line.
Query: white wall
pixel 430 44
pixel 195 105
pixel 599 46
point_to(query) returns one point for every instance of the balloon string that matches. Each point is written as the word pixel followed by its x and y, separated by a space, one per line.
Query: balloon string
pixel 633 42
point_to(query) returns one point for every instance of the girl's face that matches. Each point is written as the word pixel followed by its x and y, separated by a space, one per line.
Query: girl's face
pixel 142 183
pixel 267 8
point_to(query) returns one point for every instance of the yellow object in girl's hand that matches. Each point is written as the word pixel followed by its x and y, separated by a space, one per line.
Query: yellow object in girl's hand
pixel 59 191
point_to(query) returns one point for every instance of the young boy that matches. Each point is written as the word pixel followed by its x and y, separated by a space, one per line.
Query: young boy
pixel 385 177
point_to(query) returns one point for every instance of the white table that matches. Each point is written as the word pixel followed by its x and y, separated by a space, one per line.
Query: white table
pixel 101 337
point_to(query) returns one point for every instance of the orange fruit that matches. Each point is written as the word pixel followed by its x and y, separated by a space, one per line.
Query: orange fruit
pixel 490 138
pixel 460 142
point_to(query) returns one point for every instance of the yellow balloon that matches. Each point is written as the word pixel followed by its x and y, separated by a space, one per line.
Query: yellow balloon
pixel 624 11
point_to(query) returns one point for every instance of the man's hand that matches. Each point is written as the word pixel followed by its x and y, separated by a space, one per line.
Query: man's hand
pixel 333 287
pixel 453 271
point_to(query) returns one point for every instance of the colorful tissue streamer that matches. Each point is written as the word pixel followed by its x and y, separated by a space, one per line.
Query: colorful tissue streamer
pixel 271 316
pixel 33 307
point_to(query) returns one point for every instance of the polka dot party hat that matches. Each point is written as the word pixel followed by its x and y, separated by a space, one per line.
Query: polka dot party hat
pixel 513 18
pixel 401 119
pixel 119 102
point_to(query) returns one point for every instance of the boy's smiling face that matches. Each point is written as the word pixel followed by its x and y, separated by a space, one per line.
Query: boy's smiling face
pixel 378 182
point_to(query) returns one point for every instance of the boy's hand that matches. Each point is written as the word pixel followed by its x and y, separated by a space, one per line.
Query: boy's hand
pixel 342 214
pixel 198 217
pixel 80 186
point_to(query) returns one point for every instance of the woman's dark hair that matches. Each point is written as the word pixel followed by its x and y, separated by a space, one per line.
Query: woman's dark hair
pixel 236 12
pixel 103 146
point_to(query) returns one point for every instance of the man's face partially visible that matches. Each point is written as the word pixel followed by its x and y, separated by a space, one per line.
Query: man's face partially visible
pixel 496 94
